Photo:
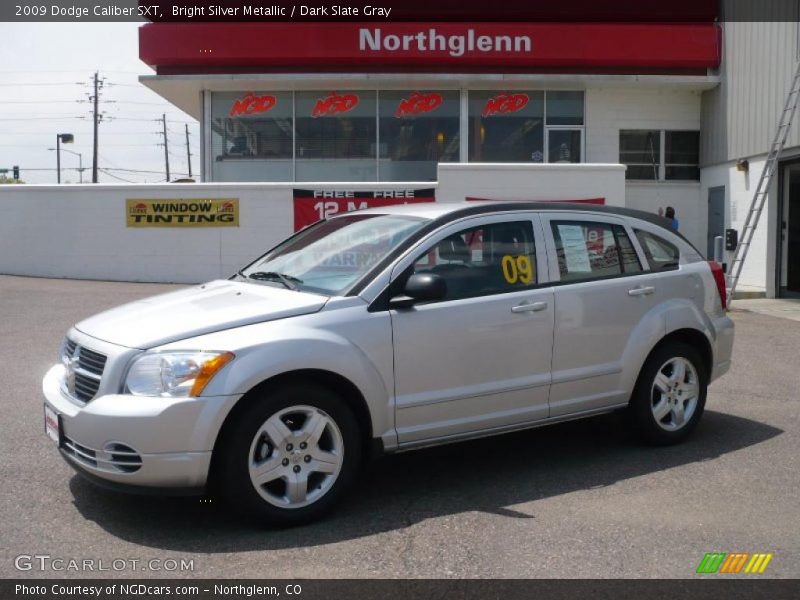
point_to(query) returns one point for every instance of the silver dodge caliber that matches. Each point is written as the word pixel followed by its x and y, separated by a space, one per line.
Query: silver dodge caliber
pixel 386 330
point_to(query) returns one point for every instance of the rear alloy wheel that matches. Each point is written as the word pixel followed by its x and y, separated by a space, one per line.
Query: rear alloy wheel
pixel 670 394
pixel 674 394
pixel 288 458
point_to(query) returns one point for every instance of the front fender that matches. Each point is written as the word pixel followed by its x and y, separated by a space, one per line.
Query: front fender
pixel 266 350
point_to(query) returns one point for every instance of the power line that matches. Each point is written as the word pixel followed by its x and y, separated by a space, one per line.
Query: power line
pixel 105 171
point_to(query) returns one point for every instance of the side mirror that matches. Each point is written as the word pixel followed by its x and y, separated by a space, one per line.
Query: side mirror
pixel 420 287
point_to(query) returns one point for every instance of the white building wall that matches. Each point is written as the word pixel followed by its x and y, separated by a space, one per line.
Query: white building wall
pixel 611 109
pixel 79 231
pixel 758 272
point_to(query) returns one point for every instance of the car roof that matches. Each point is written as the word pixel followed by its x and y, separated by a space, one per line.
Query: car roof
pixel 449 211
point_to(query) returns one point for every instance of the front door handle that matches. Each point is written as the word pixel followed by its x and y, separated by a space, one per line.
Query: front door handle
pixel 644 290
pixel 529 307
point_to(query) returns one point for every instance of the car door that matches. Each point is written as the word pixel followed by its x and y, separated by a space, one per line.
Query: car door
pixel 480 358
pixel 602 295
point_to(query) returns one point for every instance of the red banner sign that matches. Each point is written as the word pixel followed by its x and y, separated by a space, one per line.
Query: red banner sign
pixel 311 206
pixel 469 47
pixel 251 104
pixel 418 103
pixel 334 104
pixel 505 104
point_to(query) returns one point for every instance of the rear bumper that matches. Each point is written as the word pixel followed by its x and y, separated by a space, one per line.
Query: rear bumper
pixel 722 346
pixel 132 442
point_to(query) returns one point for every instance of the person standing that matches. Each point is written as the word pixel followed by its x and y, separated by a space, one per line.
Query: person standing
pixel 670 214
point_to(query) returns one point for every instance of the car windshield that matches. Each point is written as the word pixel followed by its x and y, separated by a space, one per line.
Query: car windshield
pixel 330 256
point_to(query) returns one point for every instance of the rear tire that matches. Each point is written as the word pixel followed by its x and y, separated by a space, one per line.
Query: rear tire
pixel 670 394
pixel 290 455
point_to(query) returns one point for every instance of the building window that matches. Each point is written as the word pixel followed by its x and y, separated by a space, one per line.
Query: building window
pixel 657 155
pixel 417 130
pixel 506 126
pixel 251 136
pixel 336 135
pixel 565 108
pixel 682 155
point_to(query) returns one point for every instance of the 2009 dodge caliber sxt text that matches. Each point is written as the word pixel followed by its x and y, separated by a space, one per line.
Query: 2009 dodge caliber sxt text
pixel 386 330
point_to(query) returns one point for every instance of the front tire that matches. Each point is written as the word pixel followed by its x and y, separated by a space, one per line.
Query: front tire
pixel 670 394
pixel 290 455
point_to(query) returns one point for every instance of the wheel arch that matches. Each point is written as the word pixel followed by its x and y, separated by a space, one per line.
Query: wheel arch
pixel 349 392
pixel 693 337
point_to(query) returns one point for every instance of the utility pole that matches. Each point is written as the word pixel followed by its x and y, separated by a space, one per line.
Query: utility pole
pixel 188 151
pixel 166 145
pixel 96 118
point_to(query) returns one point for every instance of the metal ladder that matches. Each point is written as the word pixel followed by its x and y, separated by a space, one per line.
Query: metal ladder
pixel 760 196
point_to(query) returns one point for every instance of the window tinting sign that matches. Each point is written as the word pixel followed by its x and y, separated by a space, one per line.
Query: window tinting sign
pixel 311 206
pixel 251 104
pixel 418 103
pixel 334 104
pixel 182 212
pixel 505 104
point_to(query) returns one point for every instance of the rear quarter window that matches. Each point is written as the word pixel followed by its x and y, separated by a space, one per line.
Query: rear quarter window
pixel 661 254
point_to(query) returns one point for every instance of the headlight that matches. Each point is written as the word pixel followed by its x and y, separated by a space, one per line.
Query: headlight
pixel 174 374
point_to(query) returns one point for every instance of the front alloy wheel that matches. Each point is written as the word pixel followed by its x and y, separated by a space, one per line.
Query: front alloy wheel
pixel 288 453
pixel 296 456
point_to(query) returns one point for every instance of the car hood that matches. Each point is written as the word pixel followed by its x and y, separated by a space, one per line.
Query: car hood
pixel 196 311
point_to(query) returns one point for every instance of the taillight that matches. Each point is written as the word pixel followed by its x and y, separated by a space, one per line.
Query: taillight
pixel 719 277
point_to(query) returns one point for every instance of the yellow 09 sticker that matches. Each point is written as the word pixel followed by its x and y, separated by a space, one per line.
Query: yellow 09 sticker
pixel 517 269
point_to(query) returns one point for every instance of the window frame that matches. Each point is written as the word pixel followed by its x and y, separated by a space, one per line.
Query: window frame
pixel 404 266
pixel 211 166
pixel 644 252
pixel 610 221
pixel 662 159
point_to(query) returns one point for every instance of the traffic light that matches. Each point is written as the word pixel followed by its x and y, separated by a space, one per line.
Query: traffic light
pixel 16 172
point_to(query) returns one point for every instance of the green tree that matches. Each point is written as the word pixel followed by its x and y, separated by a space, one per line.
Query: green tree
pixel 5 179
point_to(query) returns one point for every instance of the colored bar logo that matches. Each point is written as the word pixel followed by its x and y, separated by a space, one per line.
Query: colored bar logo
pixel 734 563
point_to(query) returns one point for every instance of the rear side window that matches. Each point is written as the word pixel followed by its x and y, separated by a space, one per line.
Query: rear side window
pixel 661 254
pixel 589 250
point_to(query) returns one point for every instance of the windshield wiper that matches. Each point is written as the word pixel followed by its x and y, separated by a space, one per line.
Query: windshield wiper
pixel 289 281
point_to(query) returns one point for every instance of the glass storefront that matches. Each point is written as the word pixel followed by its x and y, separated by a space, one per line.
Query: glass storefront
pixel 417 130
pixel 402 135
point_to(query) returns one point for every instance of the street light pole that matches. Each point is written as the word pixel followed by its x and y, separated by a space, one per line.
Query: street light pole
pixel 58 157
pixel 58 151
pixel 67 138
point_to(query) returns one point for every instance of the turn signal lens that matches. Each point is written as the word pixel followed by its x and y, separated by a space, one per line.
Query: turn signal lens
pixel 207 372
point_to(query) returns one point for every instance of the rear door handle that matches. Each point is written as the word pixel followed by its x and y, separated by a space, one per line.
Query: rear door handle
pixel 644 290
pixel 529 307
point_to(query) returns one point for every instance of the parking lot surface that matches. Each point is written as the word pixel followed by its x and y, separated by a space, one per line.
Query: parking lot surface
pixel 580 499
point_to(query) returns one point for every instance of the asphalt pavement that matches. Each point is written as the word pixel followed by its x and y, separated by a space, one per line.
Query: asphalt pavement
pixel 580 499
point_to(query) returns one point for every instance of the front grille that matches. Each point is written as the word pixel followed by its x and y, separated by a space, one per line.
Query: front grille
pixel 115 458
pixel 84 370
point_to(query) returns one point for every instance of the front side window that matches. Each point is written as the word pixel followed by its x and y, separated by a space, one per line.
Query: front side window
pixel 332 255
pixel 661 254
pixel 418 130
pixel 588 250
pixel 487 259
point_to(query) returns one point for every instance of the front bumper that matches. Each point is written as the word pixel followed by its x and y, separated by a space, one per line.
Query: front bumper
pixel 135 442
